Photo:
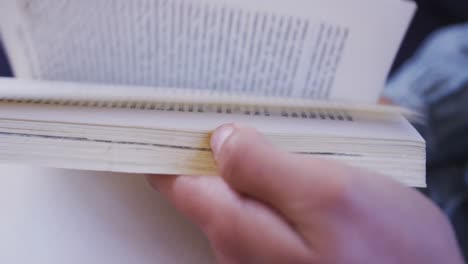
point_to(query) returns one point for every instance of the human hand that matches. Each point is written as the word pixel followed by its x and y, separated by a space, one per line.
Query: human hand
pixel 385 101
pixel 274 207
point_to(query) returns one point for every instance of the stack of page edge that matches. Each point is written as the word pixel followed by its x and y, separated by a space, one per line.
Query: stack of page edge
pixel 97 127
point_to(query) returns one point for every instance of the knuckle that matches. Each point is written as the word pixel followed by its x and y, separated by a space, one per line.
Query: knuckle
pixel 339 194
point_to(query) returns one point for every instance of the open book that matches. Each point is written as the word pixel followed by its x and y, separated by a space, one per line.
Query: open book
pixel 137 86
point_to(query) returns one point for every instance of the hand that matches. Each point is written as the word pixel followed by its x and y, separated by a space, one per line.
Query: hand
pixel 385 101
pixel 274 207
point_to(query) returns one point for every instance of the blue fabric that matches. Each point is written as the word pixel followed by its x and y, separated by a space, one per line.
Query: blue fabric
pixel 435 83
pixel 437 70
pixel 5 69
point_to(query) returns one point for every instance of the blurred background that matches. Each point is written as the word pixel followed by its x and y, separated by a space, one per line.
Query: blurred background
pixel 448 113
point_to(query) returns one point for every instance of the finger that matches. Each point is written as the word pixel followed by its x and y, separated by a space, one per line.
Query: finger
pixel 195 197
pixel 237 227
pixel 251 165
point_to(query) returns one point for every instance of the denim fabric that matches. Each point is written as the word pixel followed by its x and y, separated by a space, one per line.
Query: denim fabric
pixel 435 83
pixel 5 69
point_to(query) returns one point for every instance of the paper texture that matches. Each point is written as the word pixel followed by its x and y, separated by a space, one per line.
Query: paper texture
pixel 75 217
pixel 315 49
pixel 180 100
pixel 174 138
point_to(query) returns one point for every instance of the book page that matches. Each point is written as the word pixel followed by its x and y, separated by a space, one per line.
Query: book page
pixel 308 122
pixel 170 141
pixel 188 110
pixel 317 49
pixel 72 94
pixel 168 133
pixel 62 216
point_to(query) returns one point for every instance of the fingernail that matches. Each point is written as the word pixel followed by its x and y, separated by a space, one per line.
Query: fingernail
pixel 219 137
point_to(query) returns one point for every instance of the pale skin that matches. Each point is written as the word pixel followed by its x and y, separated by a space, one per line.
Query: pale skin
pixel 269 206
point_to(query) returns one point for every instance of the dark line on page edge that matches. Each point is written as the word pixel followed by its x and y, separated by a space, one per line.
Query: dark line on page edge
pixel 83 139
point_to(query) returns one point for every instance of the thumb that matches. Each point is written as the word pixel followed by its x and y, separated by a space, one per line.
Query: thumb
pixel 254 167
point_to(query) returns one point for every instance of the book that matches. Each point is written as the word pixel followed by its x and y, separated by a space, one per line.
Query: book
pixel 139 86
pixel 74 217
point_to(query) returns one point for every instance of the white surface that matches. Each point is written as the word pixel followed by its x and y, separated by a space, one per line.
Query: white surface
pixel 156 43
pixel 57 216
